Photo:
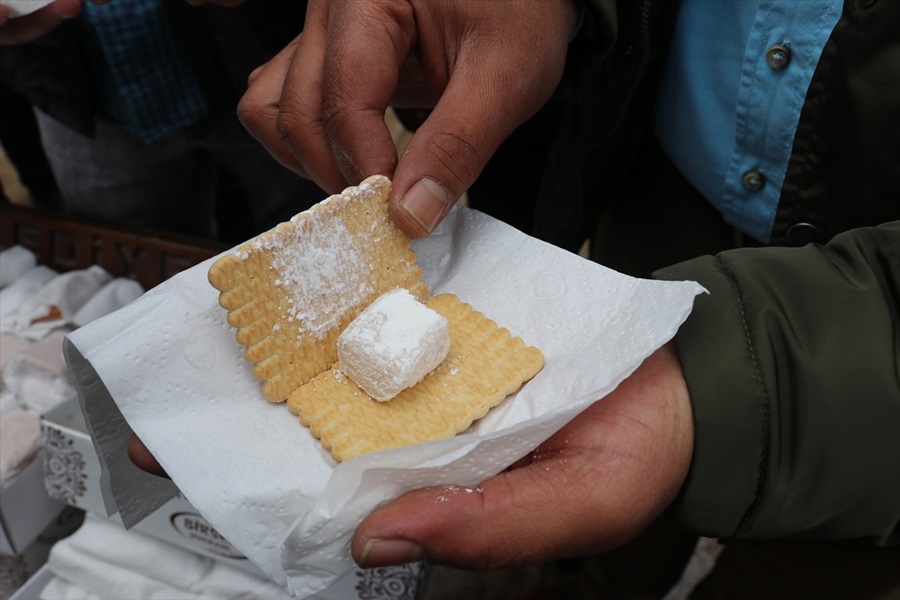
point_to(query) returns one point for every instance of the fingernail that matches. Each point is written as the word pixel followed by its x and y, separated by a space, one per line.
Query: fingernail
pixel 381 553
pixel 425 202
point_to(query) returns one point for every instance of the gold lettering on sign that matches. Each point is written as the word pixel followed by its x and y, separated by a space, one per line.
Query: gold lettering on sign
pixel 28 236
pixel 131 257
pixel 64 249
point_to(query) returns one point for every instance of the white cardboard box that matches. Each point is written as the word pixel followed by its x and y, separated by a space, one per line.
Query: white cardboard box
pixel 72 470
pixel 71 467
pixel 34 586
pixel 25 509
pixel 17 570
pixel 72 474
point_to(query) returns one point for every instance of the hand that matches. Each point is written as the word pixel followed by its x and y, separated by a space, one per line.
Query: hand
pixel 591 487
pixel 27 28
pixel 485 67
pixel 141 457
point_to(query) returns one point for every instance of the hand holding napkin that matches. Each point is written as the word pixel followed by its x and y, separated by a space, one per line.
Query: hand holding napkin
pixel 170 363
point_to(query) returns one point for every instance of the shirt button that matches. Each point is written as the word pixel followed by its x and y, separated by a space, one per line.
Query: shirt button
pixel 801 234
pixel 778 56
pixel 753 180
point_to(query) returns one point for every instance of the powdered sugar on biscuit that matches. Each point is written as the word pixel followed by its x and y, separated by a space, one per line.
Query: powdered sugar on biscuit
pixel 320 269
pixel 321 264
pixel 393 344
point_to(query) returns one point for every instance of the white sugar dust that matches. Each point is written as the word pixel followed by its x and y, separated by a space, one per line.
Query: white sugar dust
pixel 392 344
pixel 324 272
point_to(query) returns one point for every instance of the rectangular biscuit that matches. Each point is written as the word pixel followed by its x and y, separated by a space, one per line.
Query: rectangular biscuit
pixel 460 390
pixel 292 290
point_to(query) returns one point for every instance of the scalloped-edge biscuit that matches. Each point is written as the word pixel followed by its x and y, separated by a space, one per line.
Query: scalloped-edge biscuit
pixel 292 290
pixel 459 391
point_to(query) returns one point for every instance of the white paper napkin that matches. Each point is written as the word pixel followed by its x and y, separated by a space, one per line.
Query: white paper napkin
pixel 110 298
pixel 14 262
pixel 19 294
pixel 36 373
pixel 54 303
pixel 172 365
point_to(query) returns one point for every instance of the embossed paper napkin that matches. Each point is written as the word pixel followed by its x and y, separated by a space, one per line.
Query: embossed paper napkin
pixel 170 363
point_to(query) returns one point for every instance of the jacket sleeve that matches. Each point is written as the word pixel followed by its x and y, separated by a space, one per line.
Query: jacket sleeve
pixel 793 365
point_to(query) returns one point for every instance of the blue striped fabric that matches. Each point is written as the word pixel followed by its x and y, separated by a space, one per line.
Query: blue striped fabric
pixel 143 81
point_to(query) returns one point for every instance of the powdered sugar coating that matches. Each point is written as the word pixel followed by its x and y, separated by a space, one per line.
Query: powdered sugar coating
pixel 393 344
pixel 321 266
pixel 321 275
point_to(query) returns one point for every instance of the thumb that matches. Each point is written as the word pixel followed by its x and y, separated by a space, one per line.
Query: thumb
pixel 519 517
pixel 490 92
pixel 502 65
pixel 448 152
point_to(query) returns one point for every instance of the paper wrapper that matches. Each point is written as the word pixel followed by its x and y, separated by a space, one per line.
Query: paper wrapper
pixel 172 365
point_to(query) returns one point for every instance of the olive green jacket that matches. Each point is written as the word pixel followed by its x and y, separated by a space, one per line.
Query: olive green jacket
pixel 793 359
pixel 793 364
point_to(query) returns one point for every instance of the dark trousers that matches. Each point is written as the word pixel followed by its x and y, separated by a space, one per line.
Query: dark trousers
pixel 210 180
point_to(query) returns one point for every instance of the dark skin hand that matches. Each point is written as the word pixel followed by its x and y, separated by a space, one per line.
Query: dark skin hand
pixel 591 487
pixel 484 67
pixel 142 458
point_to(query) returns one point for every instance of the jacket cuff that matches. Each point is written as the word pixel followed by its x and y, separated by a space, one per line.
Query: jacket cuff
pixel 730 405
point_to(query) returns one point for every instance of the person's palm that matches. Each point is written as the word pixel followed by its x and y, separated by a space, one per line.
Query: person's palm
pixel 591 487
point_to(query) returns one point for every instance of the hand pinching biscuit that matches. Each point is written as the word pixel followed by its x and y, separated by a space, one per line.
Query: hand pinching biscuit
pixel 292 290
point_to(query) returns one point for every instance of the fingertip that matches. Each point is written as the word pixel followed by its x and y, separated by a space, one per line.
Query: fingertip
pixel 380 552
pixel 406 223
pixel 419 521
pixel 419 210
pixel 255 73
pixel 141 457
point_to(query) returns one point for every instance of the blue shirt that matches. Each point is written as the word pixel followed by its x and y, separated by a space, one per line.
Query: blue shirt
pixel 733 87
pixel 142 80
